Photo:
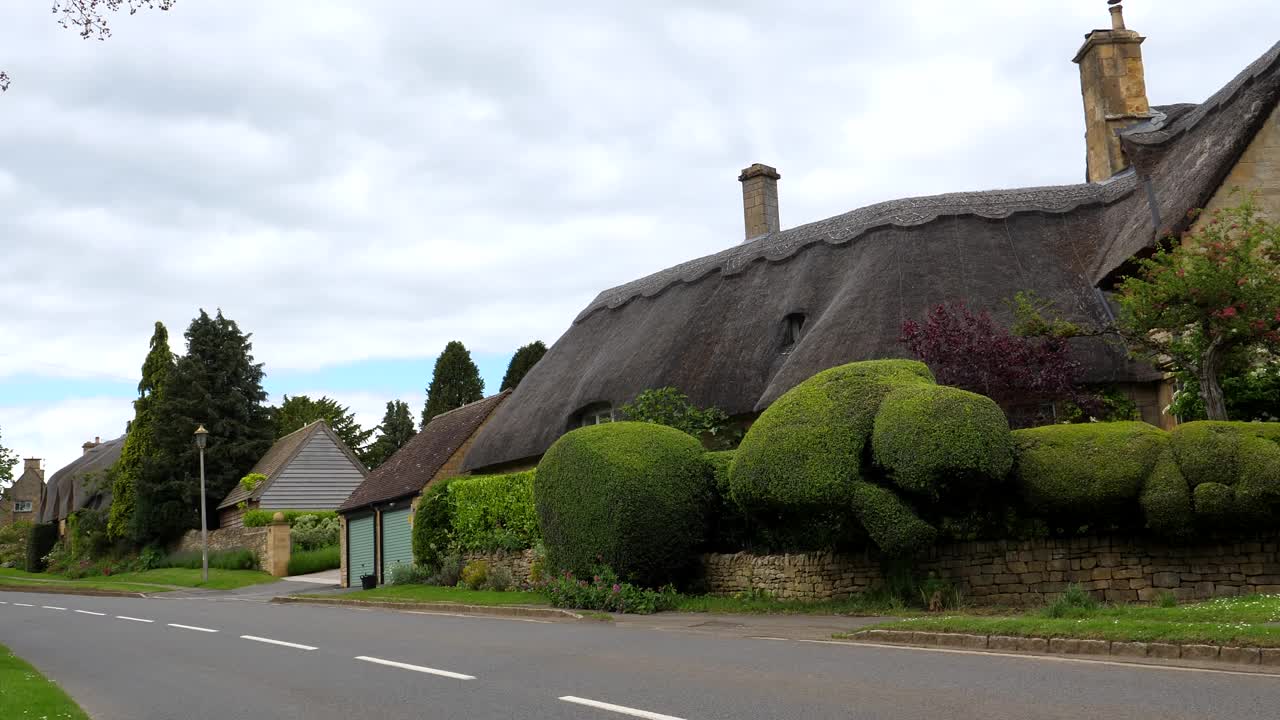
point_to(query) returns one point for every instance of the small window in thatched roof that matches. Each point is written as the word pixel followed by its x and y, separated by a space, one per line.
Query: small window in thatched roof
pixel 593 414
pixel 793 327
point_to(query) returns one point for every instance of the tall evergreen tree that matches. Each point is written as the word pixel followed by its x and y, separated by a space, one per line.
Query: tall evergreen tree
pixel 454 383
pixel 300 411
pixel 396 430
pixel 216 384
pixel 521 363
pixel 140 441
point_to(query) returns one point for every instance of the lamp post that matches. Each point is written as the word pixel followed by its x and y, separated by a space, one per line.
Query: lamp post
pixel 202 437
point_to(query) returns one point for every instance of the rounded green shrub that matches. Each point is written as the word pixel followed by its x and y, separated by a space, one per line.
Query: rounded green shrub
pixel 433 525
pixel 933 438
pixel 1215 501
pixel 1088 473
pixel 1166 499
pixel 632 496
pixel 1257 489
pixel 892 524
pixel 806 449
pixel 1208 451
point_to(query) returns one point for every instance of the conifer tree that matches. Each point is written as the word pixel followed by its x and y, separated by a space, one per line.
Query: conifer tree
pixel 521 363
pixel 139 442
pixel 396 429
pixel 454 383
pixel 300 411
pixel 216 384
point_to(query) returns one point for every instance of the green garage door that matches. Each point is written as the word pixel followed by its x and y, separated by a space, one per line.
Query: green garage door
pixel 397 540
pixel 359 548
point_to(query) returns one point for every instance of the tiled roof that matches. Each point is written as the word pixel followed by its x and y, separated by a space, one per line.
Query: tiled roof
pixel 413 466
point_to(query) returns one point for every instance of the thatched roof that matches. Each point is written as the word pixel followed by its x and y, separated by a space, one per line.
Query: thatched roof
pixel 81 483
pixel 715 327
pixel 409 470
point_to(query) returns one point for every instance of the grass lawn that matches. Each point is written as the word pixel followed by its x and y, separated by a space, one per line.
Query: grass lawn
pixel 23 688
pixel 1223 621
pixel 435 593
pixel 159 580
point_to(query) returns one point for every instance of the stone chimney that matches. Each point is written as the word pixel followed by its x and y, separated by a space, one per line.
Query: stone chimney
pixel 91 445
pixel 760 200
pixel 33 465
pixel 1115 93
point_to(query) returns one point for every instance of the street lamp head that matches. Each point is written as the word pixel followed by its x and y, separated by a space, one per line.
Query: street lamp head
pixel 202 436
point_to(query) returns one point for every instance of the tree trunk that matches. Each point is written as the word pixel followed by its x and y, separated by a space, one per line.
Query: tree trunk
pixel 1215 405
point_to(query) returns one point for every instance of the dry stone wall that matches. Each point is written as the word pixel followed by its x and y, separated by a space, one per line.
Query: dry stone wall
pixel 229 538
pixel 518 563
pixel 1022 573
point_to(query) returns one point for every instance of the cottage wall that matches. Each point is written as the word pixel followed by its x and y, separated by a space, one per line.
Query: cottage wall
pixel 1257 170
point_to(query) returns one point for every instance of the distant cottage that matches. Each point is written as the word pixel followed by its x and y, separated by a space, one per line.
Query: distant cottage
pixel 308 469
pixel 82 483
pixel 21 501
pixel 738 328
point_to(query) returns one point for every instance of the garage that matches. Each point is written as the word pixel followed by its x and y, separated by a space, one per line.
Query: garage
pixel 397 539
pixel 361 553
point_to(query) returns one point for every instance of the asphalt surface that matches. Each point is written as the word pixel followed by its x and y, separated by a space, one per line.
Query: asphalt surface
pixel 125 669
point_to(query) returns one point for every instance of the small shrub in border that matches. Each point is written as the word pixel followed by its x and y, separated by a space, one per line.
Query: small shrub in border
pixel 433 524
pixel 409 574
pixel 604 591
pixel 475 574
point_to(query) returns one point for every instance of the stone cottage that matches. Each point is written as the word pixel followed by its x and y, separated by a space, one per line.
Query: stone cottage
pixel 738 328
pixel 21 501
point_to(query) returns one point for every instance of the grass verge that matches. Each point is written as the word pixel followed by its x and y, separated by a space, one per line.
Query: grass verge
pixel 436 593
pixel 1244 621
pixel 158 580
pixel 23 688
pixel 744 604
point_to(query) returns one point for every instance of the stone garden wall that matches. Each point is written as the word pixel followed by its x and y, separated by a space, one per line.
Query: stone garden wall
pixel 1022 573
pixel 518 563
pixel 229 538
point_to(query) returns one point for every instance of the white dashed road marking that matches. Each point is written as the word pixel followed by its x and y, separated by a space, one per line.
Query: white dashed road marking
pixel 415 668
pixel 90 612
pixel 24 604
pixel 126 617
pixel 192 627
pixel 618 708
pixel 52 607
pixel 277 642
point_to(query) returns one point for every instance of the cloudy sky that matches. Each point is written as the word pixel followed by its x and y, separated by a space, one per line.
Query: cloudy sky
pixel 356 187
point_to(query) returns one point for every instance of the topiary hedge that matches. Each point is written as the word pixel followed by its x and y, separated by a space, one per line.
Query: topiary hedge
pixel 890 522
pixel 1166 498
pixel 631 495
pixel 806 449
pixel 494 512
pixel 1086 473
pixel 433 524
pixel 934 439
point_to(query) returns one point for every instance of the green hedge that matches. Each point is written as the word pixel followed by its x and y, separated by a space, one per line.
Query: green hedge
pixel 806 450
pixel 1215 502
pixel 890 522
pixel 39 543
pixel 1258 486
pixel 239 559
pixel 262 518
pixel 632 496
pixel 494 512
pixel 305 562
pixel 1166 499
pixel 1086 473
pixel 934 440
pixel 433 524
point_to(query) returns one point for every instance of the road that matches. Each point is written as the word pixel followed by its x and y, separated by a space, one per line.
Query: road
pixel 197 658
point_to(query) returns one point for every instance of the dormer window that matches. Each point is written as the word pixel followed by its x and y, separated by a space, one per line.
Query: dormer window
pixel 593 414
pixel 793 328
